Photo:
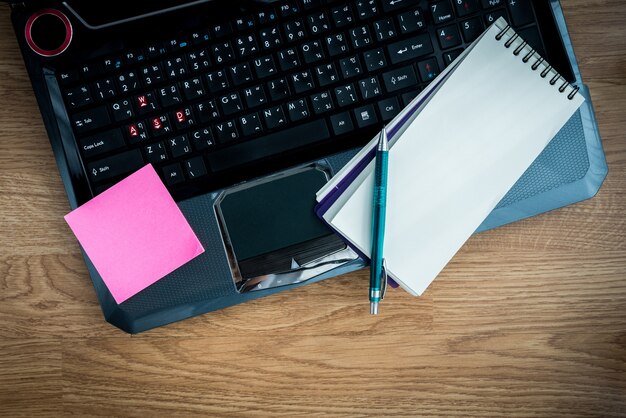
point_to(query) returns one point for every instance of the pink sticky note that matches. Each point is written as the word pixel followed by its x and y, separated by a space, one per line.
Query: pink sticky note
pixel 134 233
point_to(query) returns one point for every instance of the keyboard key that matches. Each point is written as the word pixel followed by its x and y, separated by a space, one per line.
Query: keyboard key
pixel 195 167
pixel 441 11
pixel 266 16
pixel 220 30
pixel 230 103
pixel 193 88
pixel 274 117
pixel 294 30
pixel 341 123
pixel 389 108
pixel 134 57
pixel 199 60
pixel 160 125
pixel 375 59
pixel 270 38
pixel 409 49
pixel 345 95
pixel 487 4
pixel 342 15
pixel 202 139
pixel 145 103
pixel 322 102
pixel 367 9
pixel 199 37
pixel 122 110
pixel 448 36
pixel 104 89
pixel 336 44
pixel 226 131
pixel 312 52
pixel 494 15
pixel 288 59
pixel 350 67
pixel 244 23
pixel 152 74
pixel 172 174
pixel 318 23
pixel 360 37
pixel 465 7
pixel 279 89
pixel 411 21
pixel 89 70
pixel 89 120
pixel 116 165
pixel 223 53
pixel 326 74
pixel 288 9
pixel 399 79
pixel 128 82
pixel 246 46
pixel 310 4
pixel 302 81
pixel 385 29
pixel 184 118
pixel 78 96
pixel 408 97
pixel 521 12
pixel 100 143
pixel 156 50
pixel 471 29
pixel 450 56
pixel 169 96
pixel 365 116
pixel 155 153
pixel 255 96
pixel 298 110
pixel 391 5
pixel 428 69
pixel 369 88
pixel 176 44
pixel 175 67
pixel 136 132
pixel 179 146
pixel 217 81
pixel 531 35
pixel 250 124
pixel 207 111
pixel 266 146
pixel 264 66
pixel 68 77
pixel 240 73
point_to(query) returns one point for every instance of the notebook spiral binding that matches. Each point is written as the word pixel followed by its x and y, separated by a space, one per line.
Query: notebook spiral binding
pixel 539 60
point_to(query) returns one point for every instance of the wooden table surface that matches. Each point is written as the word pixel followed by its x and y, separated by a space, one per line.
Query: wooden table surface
pixel 528 319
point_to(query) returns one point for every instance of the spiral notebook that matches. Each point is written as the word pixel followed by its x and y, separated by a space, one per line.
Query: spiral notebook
pixel 444 179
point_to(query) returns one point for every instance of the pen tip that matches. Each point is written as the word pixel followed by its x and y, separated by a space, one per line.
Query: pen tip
pixel 382 140
pixel 374 308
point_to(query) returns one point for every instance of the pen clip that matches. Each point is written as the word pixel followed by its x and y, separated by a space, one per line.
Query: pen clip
pixel 383 279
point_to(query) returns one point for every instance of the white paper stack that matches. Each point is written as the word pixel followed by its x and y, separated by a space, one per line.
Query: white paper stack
pixel 445 178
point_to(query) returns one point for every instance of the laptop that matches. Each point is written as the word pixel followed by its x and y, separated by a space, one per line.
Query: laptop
pixel 246 108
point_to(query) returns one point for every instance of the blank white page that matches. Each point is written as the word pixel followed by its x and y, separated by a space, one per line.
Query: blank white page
pixel 461 154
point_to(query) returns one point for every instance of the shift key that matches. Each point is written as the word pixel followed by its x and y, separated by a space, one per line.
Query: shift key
pixel 116 165
pixel 411 48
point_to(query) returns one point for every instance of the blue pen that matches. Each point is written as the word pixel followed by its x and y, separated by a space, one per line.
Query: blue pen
pixel 378 272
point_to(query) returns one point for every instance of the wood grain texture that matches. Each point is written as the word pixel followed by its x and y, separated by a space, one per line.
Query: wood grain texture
pixel 527 320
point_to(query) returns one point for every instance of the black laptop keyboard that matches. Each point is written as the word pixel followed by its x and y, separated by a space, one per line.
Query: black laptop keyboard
pixel 284 78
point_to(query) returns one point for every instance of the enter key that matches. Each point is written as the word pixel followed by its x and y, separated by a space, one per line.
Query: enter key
pixel 411 48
